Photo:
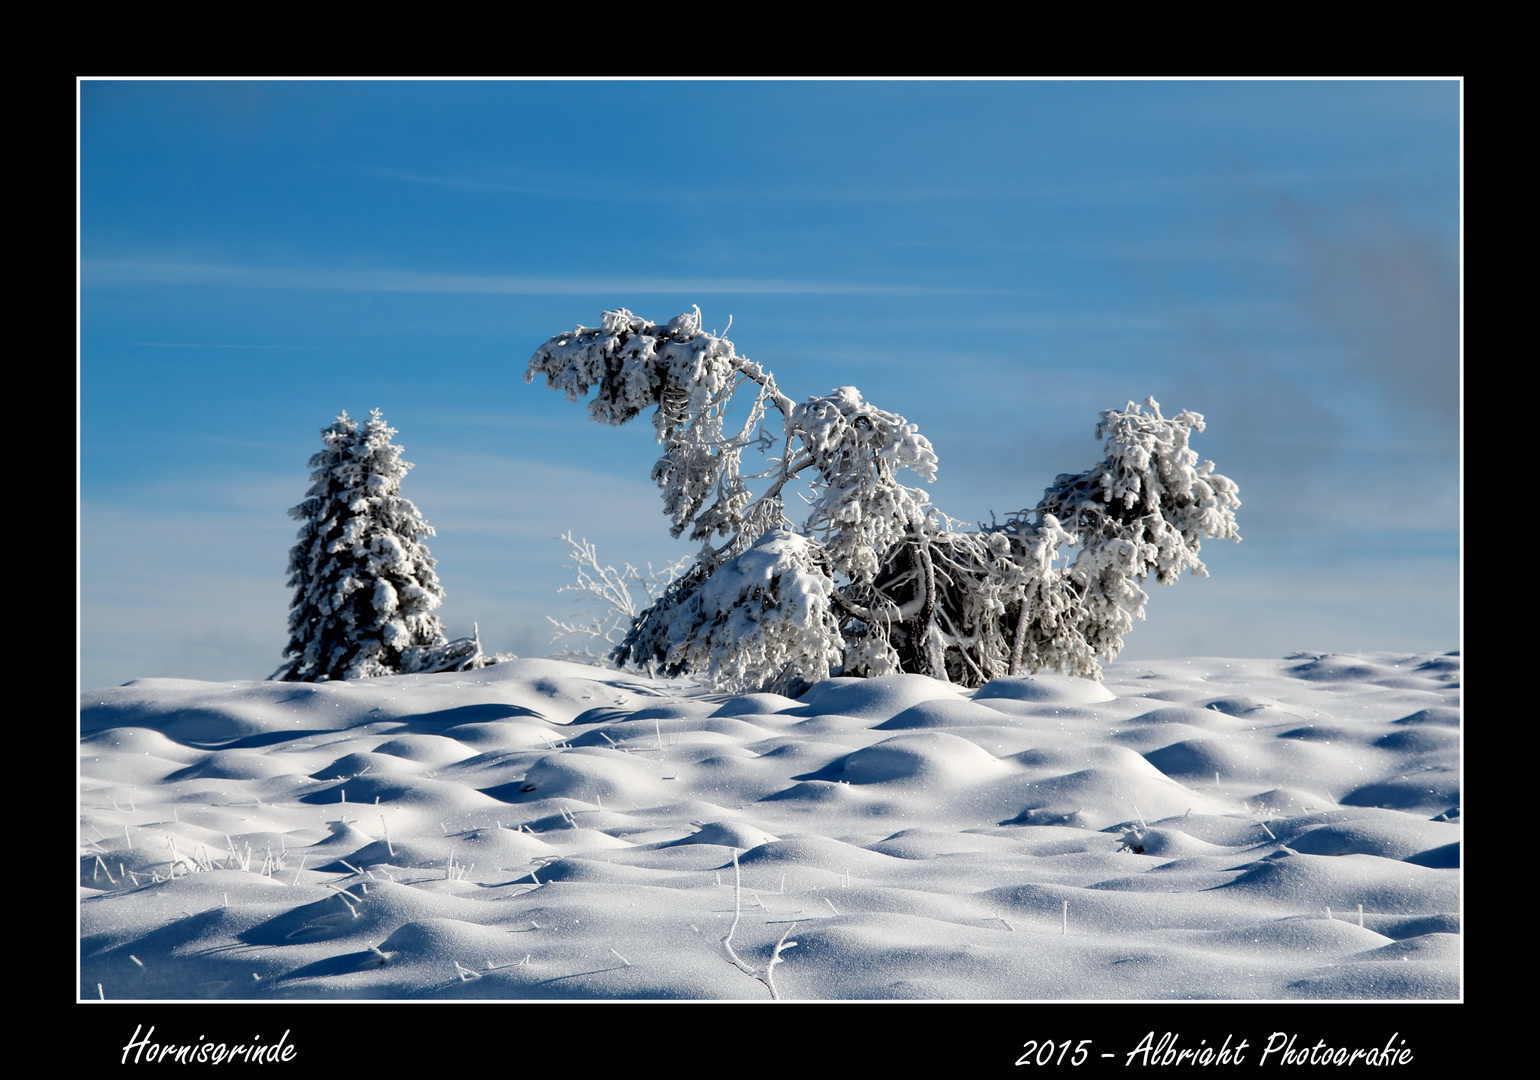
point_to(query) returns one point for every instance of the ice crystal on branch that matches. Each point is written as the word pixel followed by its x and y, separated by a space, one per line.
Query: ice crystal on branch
pixel 875 579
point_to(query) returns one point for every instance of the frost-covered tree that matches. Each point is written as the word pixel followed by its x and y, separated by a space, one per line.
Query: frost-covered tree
pixel 364 585
pixel 874 579
pixel 614 597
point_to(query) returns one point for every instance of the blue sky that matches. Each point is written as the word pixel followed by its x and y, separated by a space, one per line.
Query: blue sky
pixel 998 261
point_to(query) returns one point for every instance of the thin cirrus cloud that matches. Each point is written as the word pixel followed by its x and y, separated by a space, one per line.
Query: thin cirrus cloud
pixel 1117 190
pixel 214 345
pixel 119 273
pixel 583 189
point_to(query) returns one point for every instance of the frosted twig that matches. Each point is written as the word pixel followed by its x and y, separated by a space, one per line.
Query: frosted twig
pixel 775 958
pixel 727 942
pixel 620 596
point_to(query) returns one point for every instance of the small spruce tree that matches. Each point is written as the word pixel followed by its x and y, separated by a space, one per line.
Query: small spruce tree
pixel 364 586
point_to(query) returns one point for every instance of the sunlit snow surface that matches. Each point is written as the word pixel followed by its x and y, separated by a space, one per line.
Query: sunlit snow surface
pixel 540 829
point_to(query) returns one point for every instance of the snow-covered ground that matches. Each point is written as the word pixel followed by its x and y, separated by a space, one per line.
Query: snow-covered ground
pixel 1197 828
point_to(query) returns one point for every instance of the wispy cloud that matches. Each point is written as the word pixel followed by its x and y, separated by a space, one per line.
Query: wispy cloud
pixel 121 273
pixel 210 345
pixel 605 189
pixel 1143 188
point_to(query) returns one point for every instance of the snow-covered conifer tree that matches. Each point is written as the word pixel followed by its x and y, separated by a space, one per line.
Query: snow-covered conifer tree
pixel 364 585
pixel 875 579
